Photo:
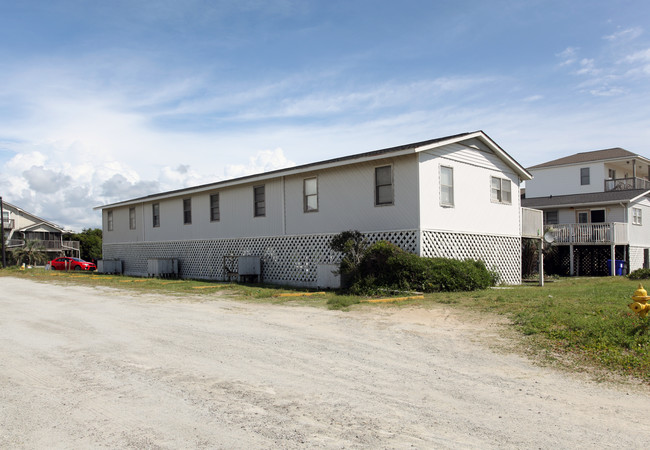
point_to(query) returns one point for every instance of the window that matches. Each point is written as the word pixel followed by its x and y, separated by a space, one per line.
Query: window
pixel 109 220
pixel 187 211
pixel 383 185
pixel 583 216
pixel 551 217
pixel 597 216
pixel 446 186
pixel 584 176
pixel 637 216
pixel 155 214
pixel 131 218
pixel 310 193
pixel 260 203
pixel 501 191
pixel 214 208
pixel 611 173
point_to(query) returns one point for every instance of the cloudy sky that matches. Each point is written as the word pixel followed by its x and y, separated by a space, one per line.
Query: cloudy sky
pixel 102 101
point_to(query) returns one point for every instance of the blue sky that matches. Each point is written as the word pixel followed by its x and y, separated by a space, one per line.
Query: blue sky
pixel 105 101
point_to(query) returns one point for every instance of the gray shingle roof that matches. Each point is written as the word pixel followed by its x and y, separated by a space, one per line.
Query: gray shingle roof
pixel 610 153
pixel 583 199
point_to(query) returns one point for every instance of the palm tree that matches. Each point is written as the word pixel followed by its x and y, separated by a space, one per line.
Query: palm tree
pixel 33 252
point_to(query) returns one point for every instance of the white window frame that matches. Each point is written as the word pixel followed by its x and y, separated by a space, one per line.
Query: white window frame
pixel 307 196
pixel 155 215
pixel 215 207
pixel 259 201
pixel 132 214
pixel 497 191
pixel 637 216
pixel 585 176
pixel 109 220
pixel 449 187
pixel 187 211
pixel 378 186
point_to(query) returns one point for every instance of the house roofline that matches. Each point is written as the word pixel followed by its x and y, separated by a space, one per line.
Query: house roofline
pixel 397 151
pixel 42 221
pixel 584 203
pixel 573 162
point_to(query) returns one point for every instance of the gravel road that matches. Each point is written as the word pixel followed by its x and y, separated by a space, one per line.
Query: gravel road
pixel 99 368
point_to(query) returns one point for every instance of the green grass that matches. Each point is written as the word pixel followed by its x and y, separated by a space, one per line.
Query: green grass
pixel 583 322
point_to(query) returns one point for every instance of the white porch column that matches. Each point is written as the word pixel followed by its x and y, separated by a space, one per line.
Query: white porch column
pixel 613 260
pixel 570 259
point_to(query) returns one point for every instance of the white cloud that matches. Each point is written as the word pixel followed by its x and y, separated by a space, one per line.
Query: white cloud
pixel 568 56
pixel 262 161
pixel 533 98
pixel 42 180
pixel 626 35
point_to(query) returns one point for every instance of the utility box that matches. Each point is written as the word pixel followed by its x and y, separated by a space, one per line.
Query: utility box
pixel 249 268
pixel 327 276
pixel 111 266
pixel 162 268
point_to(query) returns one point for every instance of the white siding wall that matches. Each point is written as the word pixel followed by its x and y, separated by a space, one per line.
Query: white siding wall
pixel 346 199
pixel 565 180
pixel 639 235
pixel 473 210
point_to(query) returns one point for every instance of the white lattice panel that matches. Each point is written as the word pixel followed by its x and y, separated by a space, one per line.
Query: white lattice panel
pixel 636 258
pixel 288 260
pixel 500 253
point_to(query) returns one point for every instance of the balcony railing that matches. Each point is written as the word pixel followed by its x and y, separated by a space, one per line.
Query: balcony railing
pixel 590 233
pixel 622 184
pixel 49 245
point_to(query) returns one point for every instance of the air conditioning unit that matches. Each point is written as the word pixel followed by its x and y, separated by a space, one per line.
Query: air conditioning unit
pixel 162 268
pixel 111 266
pixel 249 268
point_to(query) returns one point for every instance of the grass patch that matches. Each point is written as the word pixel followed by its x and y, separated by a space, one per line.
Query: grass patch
pixel 583 322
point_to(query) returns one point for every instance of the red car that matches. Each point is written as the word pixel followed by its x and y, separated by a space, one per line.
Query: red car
pixel 67 263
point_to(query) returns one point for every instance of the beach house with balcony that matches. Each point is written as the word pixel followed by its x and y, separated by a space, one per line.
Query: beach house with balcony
pixel 597 206
pixel 456 196
pixel 20 226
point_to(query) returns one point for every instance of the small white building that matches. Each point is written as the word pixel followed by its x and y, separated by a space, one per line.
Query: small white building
pixel 595 203
pixel 456 196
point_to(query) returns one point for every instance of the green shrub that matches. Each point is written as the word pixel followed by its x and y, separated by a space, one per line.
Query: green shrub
pixel 639 274
pixel 386 266
pixel 352 245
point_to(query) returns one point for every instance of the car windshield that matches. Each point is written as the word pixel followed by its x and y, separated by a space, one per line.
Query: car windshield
pixel 77 259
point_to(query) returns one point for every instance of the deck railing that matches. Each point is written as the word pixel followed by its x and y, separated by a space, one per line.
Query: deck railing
pixel 49 245
pixel 590 233
pixel 622 184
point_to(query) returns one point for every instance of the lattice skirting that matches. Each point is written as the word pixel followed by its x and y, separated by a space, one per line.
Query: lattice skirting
pixel 636 258
pixel 290 260
pixel 500 253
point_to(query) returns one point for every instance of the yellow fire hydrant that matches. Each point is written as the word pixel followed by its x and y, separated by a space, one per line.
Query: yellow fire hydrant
pixel 640 303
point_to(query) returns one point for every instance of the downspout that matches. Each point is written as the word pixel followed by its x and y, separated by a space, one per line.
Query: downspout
pixel 144 229
pixel 284 208
pixel 418 216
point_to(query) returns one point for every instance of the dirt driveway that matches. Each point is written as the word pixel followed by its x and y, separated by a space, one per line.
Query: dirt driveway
pixel 91 367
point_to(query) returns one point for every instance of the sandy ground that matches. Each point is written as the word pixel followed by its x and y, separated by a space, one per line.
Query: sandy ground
pixel 96 368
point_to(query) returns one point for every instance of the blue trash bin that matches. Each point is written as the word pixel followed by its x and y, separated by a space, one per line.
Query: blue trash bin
pixel 618 267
